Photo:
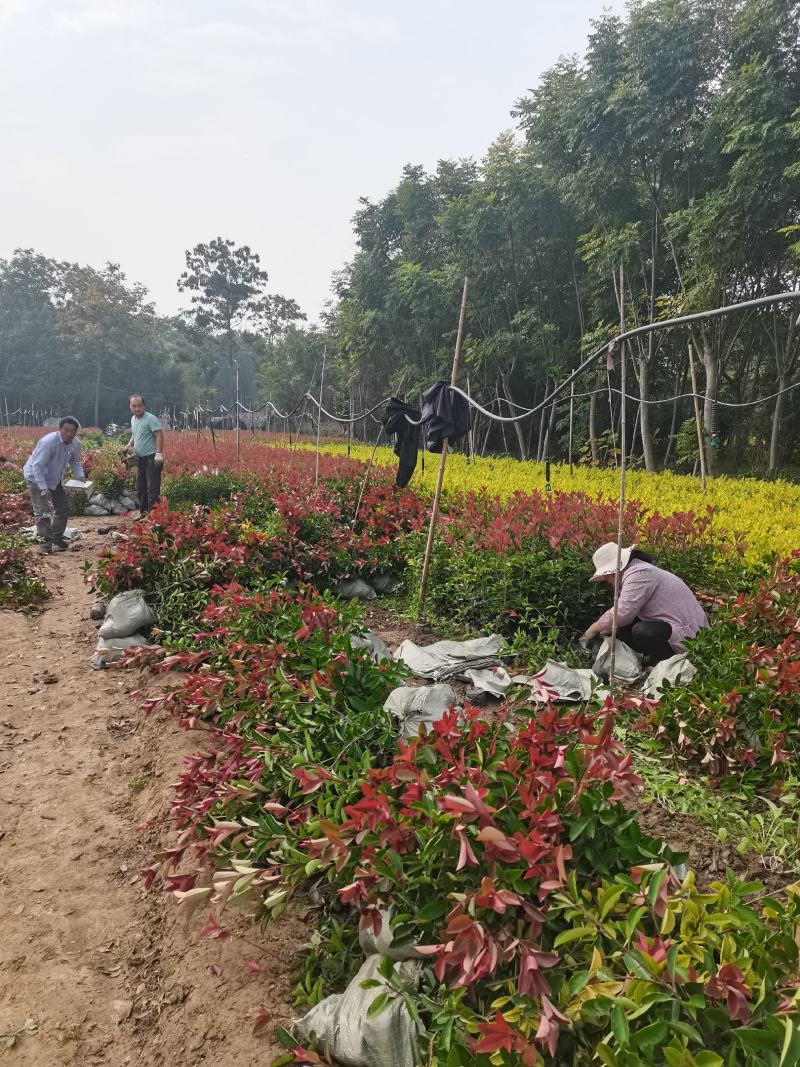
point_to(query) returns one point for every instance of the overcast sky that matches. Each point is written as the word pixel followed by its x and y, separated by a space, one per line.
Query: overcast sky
pixel 133 129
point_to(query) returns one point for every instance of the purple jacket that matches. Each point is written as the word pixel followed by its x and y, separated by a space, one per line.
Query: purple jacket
pixel 653 595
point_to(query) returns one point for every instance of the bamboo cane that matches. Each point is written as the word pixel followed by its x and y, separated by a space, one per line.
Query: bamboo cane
pixel 426 564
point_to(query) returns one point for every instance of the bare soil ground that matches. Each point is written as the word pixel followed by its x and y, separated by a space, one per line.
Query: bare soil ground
pixel 94 970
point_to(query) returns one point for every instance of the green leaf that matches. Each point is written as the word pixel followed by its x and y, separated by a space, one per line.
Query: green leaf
pixel 651 1035
pixel 655 886
pixel 609 897
pixel 575 934
pixel 606 1055
pixel 377 1005
pixel 619 1026
pixel 752 1038
pixel 790 1053
pixel 708 1059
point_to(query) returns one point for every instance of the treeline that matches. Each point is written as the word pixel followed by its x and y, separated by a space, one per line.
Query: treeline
pixel 80 340
pixel 670 149
pixel 673 148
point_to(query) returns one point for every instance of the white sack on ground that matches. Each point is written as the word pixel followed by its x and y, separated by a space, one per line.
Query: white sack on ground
pixel 677 670
pixel 342 1024
pixel 355 589
pixel 493 680
pixel 570 683
pixel 444 659
pixel 412 706
pixel 369 640
pixel 112 649
pixel 127 613
pixel 627 663
pixel 71 533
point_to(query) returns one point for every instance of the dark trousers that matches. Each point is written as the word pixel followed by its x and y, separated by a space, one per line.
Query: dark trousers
pixel 148 482
pixel 50 525
pixel 649 639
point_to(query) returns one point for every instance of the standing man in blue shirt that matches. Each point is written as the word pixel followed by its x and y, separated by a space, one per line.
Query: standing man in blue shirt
pixel 147 442
pixel 43 475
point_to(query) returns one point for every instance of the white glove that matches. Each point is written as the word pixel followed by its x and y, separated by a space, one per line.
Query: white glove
pixel 158 459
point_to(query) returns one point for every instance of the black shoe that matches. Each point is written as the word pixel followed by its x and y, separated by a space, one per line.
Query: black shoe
pixel 46 548
pixel 60 545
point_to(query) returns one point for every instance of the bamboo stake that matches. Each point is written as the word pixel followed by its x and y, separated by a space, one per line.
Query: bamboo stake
pixel 426 564
pixel 622 472
pixel 319 414
pixel 697 420
pixel 571 414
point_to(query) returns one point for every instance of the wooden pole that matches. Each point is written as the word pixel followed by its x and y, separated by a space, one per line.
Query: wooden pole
pixel 571 414
pixel 350 427
pixel 319 414
pixel 426 564
pixel 698 421
pixel 622 471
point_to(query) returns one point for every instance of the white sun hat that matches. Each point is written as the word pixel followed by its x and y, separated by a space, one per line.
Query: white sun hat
pixel 605 560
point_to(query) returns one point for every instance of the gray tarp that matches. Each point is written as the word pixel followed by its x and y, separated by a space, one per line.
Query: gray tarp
pixel 377 648
pixel 677 670
pixel 412 706
pixel 445 659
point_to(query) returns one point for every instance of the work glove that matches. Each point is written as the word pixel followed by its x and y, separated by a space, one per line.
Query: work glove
pixel 47 499
pixel 588 640
pixel 158 459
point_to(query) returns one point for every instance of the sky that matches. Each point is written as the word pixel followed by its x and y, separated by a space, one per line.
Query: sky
pixel 134 129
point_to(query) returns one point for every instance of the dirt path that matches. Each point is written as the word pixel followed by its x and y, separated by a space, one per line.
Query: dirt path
pixel 92 969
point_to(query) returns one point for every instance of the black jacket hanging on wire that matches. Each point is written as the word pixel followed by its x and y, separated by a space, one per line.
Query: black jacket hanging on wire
pixel 444 414
pixel 406 443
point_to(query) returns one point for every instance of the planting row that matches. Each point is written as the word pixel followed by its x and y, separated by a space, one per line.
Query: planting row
pixel 530 919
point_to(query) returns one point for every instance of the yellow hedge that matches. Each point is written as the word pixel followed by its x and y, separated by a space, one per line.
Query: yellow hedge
pixel 766 513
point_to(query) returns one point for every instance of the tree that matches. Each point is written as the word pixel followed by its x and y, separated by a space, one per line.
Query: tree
pixel 104 318
pixel 229 291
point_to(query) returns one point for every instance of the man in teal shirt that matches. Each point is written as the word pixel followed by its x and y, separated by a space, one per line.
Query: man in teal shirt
pixel 147 442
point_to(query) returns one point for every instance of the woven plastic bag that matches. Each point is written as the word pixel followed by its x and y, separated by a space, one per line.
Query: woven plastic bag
pixel 127 613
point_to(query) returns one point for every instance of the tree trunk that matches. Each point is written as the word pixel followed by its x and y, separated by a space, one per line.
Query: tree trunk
pixel 593 443
pixel 644 414
pixel 680 385
pixel 711 365
pixel 777 419
pixel 518 428
pixel 97 391
pixel 646 361
pixel 551 429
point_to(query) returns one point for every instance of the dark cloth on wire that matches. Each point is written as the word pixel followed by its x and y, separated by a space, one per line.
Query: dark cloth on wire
pixel 444 415
pixel 406 443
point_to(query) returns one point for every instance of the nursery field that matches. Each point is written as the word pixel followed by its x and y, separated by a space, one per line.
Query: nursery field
pixel 485 892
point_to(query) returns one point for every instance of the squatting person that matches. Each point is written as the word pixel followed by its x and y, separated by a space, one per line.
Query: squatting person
pixel 656 611
pixel 43 475
pixel 147 442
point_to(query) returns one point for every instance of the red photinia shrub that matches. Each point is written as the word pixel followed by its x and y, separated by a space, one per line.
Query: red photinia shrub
pixel 15 510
